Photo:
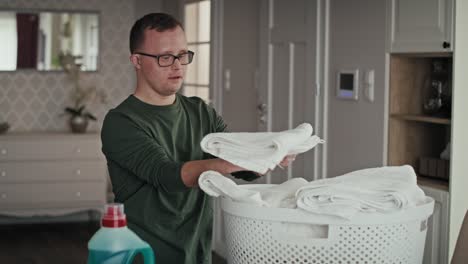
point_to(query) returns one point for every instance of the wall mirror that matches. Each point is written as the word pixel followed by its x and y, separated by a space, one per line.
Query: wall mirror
pixel 36 39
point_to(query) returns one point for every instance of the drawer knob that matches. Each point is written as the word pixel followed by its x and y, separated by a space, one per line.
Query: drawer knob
pixel 4 151
pixel 3 174
pixel 78 194
pixel 4 196
pixel 78 172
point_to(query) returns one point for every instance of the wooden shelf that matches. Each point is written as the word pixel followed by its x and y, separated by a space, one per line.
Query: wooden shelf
pixel 433 183
pixel 411 133
pixel 423 118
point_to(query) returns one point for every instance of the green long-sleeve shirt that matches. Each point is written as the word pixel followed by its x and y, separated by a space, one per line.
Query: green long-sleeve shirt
pixel 146 146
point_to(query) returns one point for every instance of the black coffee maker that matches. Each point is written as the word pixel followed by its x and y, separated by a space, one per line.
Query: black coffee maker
pixel 439 98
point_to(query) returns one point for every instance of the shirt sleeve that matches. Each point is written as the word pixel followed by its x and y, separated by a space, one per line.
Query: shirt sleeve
pixel 218 123
pixel 129 146
pixel 222 127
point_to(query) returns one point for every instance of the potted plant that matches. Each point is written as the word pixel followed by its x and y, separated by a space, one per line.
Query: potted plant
pixel 81 96
pixel 79 118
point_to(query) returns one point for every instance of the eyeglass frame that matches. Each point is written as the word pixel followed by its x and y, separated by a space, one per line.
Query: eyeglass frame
pixel 191 53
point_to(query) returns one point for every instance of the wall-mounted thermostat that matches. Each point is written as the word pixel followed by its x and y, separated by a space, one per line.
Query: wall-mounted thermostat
pixel 347 84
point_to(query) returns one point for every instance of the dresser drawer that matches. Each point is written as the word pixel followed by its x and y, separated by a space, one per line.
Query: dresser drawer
pixel 40 195
pixel 50 148
pixel 56 171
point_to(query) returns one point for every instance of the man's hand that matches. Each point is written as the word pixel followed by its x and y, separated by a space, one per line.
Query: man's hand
pixel 288 160
pixel 191 170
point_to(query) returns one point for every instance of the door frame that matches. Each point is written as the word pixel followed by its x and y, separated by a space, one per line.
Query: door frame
pixel 216 55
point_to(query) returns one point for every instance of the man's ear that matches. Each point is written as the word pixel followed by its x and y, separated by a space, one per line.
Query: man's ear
pixel 135 59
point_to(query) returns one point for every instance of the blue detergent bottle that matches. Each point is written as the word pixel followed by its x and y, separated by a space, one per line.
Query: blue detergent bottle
pixel 114 243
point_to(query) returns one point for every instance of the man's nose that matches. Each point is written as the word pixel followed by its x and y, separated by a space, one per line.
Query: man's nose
pixel 176 65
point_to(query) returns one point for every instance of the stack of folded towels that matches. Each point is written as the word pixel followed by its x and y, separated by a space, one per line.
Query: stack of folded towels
pixel 260 151
pixel 384 189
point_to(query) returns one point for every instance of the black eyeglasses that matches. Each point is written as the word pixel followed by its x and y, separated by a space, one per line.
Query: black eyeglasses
pixel 166 60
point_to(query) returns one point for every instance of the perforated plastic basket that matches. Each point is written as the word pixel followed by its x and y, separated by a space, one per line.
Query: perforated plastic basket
pixel 279 235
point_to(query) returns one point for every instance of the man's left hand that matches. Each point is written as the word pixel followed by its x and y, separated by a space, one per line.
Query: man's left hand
pixel 288 160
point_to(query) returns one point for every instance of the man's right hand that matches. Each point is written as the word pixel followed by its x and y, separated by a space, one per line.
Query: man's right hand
pixel 191 170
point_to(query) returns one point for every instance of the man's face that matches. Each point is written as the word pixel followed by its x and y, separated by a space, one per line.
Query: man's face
pixel 165 81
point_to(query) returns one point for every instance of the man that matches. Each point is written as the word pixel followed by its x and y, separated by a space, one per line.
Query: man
pixel 152 145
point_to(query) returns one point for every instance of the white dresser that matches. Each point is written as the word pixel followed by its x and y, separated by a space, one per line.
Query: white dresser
pixel 51 174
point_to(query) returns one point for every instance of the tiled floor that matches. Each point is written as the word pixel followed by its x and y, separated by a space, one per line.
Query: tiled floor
pixel 50 243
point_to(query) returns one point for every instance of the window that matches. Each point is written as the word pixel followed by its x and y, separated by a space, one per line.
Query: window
pixel 197 25
pixel 9 48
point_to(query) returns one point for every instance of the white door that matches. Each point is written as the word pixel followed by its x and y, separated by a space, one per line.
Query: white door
pixel 291 55
pixel 421 25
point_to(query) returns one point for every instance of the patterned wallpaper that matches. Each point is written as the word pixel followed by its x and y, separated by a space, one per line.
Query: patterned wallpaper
pixel 34 101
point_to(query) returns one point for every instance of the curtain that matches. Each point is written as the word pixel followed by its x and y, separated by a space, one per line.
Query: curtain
pixel 27 29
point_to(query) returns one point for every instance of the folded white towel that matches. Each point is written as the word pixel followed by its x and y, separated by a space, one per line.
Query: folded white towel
pixel 260 151
pixel 384 189
pixel 281 196
pixel 215 184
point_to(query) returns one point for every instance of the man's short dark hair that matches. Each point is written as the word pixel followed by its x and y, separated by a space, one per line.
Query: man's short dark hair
pixel 157 21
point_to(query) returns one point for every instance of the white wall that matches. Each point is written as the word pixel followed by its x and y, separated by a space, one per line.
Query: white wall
pixel 356 128
pixel 459 174
pixel 143 7
pixel 172 7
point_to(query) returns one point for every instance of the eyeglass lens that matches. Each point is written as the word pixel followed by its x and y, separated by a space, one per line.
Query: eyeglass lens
pixel 168 60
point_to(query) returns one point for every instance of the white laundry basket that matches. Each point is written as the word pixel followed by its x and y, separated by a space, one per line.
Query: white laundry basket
pixel 261 235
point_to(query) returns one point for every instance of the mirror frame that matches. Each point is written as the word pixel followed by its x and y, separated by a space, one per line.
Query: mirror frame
pixel 46 10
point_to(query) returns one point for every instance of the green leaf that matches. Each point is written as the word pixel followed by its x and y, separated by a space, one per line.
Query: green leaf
pixel 90 116
pixel 80 110
pixel 72 111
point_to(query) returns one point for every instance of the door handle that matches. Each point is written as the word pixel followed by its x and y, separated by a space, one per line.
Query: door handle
pixel 262 108
pixel 262 113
